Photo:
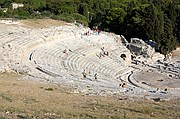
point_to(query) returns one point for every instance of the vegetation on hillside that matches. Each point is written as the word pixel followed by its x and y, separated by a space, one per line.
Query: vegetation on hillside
pixel 158 20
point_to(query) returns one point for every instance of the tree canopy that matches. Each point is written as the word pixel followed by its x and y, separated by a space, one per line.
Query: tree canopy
pixel 158 20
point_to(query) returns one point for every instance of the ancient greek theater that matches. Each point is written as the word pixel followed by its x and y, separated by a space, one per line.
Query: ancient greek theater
pixel 89 61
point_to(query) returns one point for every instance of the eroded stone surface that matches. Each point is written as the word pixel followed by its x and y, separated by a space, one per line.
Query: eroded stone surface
pixel 71 55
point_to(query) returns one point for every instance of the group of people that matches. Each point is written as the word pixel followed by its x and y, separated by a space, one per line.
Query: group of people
pixel 122 85
pixel 65 51
pixel 84 74
pixel 94 30
pixel 103 53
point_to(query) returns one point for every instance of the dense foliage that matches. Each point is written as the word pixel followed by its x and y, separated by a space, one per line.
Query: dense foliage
pixel 158 20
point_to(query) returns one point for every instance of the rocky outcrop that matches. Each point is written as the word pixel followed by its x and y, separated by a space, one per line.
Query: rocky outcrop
pixel 139 47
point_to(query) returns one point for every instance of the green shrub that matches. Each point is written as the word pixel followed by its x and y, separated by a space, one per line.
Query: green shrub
pixel 2 118
pixel 49 89
pixel 46 13
pixel 63 18
pixel 80 18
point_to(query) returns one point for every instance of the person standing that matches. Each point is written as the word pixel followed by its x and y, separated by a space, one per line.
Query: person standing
pixel 95 76
pixel 84 74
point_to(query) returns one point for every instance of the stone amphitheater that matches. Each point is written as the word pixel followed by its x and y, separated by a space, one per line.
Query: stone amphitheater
pixel 89 62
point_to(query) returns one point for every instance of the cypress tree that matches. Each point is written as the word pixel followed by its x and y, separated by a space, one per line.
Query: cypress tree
pixel 168 42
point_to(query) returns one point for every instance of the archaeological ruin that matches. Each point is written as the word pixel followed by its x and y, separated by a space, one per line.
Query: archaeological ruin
pixel 90 62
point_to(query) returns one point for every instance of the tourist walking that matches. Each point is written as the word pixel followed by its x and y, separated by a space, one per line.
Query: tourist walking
pixel 95 76
pixel 84 74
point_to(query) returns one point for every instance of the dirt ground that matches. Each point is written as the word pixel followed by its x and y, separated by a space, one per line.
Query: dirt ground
pixel 26 99
pixel 176 52
pixel 30 99
pixel 41 23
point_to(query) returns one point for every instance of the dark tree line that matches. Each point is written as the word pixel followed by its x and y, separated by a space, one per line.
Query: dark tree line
pixel 158 20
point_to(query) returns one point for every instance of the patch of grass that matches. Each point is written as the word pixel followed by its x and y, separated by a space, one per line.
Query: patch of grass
pixel 49 89
pixel 87 116
pixel 2 118
pixel 41 87
pixel 15 109
pixel 141 118
pixel 5 97
pixel 58 103
pixel 24 117
pixel 70 115
pixel 30 101
pixel 133 110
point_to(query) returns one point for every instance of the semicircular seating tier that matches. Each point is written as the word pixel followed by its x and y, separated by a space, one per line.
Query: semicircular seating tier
pixel 67 49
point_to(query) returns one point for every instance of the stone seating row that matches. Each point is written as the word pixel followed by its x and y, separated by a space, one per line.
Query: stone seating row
pixel 58 64
pixel 74 61
pixel 51 57
pixel 48 57
pixel 79 62
pixel 18 47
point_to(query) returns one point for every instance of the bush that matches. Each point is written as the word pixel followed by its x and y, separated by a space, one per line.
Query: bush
pixel 2 118
pixel 1 13
pixel 85 23
pixel 63 18
pixel 79 17
pixel 46 13
pixel 49 89
pixel 23 14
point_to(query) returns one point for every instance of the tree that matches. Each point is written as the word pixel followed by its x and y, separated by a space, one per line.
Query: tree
pixel 151 21
pixel 168 42
pixel 1 13
pixel 159 28
pixel 83 10
pixel 37 4
pixel 146 19
pixel 114 19
pixel 171 13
